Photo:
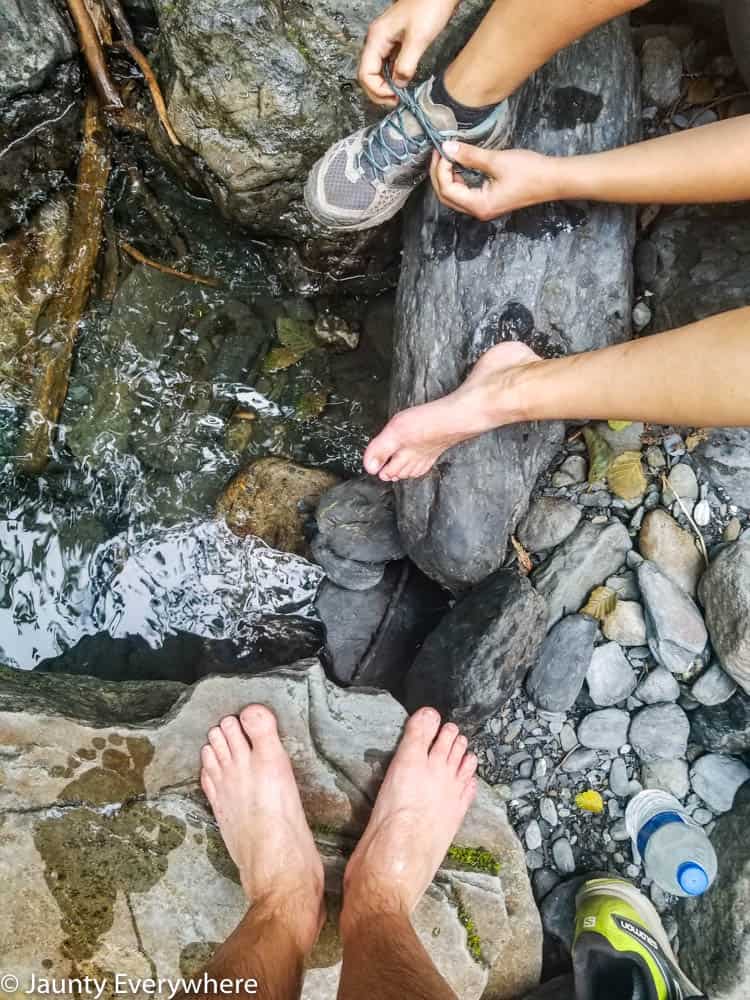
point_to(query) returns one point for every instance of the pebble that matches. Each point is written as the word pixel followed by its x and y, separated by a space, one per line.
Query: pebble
pixel 632 871
pixel 568 739
pixel 655 458
pixel 624 585
pixel 658 897
pixel 672 548
pixel 667 776
pixel 660 732
pixel 732 530
pixel 540 770
pixel 548 811
pixel 674 445
pixel 716 778
pixel 579 759
pixel 610 677
pixel 619 831
pixel 702 816
pixel 619 781
pixel 562 853
pixel 533 836
pixel 641 316
pixel 599 498
pixel 702 513
pixel 576 467
pixel 658 686
pixel 714 687
pixel 626 624
pixel 548 522
pixel 543 881
pixel 556 679
pixel 604 730
pixel 520 788
pixel 525 768
pixel 534 860
pixel 513 730
pixel 681 483
pixel 676 631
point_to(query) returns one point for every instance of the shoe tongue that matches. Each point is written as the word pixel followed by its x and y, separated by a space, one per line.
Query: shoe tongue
pixel 440 116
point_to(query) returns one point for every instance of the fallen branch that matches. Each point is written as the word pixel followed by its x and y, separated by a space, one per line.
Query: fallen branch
pixel 94 54
pixel 128 43
pixel 159 215
pixel 165 269
pixel 58 330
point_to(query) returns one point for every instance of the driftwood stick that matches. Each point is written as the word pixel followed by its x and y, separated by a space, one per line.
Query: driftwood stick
pixel 165 269
pixel 160 216
pixel 58 332
pixel 128 43
pixel 94 54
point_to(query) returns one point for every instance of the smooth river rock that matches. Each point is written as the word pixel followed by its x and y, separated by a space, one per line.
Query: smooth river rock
pixel 672 548
pixel 604 730
pixel 725 458
pixel 725 593
pixel 480 652
pixel 714 929
pixel 584 560
pixel 548 522
pixel 557 277
pixel 659 732
pixel 610 678
pixel 556 679
pixel 676 632
pixel 110 859
pixel 717 778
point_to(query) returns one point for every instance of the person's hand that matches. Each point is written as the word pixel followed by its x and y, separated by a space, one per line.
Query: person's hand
pixel 514 178
pixel 405 31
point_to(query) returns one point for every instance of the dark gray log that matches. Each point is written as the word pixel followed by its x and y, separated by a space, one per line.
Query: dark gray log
pixel 557 277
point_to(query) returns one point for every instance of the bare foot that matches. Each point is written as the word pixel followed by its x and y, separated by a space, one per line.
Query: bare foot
pixel 414 439
pixel 427 791
pixel 248 779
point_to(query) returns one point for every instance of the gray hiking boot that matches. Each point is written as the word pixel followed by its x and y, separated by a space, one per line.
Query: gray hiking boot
pixel 365 179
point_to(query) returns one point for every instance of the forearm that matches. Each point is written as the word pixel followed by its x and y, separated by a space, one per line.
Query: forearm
pixel 516 37
pixel 707 164
pixel 698 375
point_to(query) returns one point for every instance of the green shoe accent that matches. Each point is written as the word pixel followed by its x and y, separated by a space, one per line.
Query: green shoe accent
pixel 620 948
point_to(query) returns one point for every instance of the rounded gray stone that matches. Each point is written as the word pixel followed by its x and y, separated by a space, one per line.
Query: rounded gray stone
pixel 724 591
pixel 548 522
pixel 658 686
pixel 667 776
pixel 659 732
pixel 717 779
pixel 604 730
pixel 610 678
pixel 676 632
pixel 555 681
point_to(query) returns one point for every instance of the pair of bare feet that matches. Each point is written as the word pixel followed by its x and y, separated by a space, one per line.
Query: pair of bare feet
pixel 248 780
pixel 414 439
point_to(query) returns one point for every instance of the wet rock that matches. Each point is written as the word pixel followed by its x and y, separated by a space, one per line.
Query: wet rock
pixel 667 776
pixel 113 811
pixel 548 522
pixel 659 685
pixel 610 678
pixel 714 687
pixel 586 558
pixel 716 778
pixel 724 728
pixel 714 928
pixel 272 498
pixel 556 679
pixel 357 520
pixel 676 632
pixel 456 521
pixel 373 636
pixel 604 730
pixel 725 594
pixel 480 652
pixel 626 625
pixel 351 574
pixel 34 39
pixel 659 732
pixel 664 542
pixel 681 483
pixel 661 72
pixel 703 255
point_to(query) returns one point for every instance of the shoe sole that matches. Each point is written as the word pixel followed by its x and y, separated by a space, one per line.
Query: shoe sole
pixel 646 911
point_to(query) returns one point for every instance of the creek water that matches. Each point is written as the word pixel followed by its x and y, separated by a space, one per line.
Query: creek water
pixel 175 386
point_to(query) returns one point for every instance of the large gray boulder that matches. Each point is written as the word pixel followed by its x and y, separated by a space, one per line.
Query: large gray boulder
pixel 34 39
pixel 725 593
pixel 715 928
pixel 110 860
pixel 557 277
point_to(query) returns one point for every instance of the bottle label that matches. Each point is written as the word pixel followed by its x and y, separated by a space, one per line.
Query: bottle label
pixel 654 824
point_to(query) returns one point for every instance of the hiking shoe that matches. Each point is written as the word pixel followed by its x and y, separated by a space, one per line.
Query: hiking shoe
pixel 365 179
pixel 621 950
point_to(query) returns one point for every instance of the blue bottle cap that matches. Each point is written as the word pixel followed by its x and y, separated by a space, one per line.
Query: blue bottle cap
pixel 693 878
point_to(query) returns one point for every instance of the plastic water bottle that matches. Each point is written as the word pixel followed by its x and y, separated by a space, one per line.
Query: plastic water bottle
pixel 675 850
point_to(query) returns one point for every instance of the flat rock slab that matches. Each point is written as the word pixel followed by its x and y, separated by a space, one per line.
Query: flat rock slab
pixel 555 277
pixel 110 860
pixel 725 592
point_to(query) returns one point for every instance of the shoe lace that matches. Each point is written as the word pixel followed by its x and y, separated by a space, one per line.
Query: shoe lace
pixel 376 150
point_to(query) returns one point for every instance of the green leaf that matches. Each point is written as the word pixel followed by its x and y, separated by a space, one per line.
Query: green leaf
pixel 600 454
pixel 619 425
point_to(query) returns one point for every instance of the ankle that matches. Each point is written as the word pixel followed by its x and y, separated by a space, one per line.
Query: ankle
pixel 300 914
pixel 363 910
pixel 469 86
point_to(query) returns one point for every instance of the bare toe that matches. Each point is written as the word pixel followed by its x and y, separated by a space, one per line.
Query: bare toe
pixel 444 743
pixel 209 789
pixel 260 725
pixel 380 450
pixel 457 752
pixel 220 747
pixel 421 729
pixel 468 767
pixel 209 762
pixel 236 739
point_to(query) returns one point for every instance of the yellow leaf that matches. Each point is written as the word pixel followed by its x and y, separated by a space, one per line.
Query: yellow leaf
pixel 602 602
pixel 619 425
pixel 625 476
pixel 524 559
pixel 697 437
pixel 590 801
pixel 600 454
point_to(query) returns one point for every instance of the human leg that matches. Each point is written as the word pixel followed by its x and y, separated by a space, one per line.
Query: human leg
pixel 421 805
pixel 248 780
